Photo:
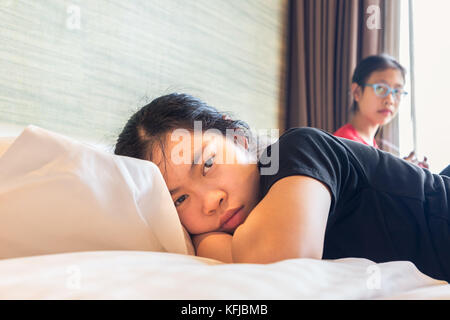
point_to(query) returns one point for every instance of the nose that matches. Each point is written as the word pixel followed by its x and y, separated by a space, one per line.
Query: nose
pixel 213 201
pixel 390 98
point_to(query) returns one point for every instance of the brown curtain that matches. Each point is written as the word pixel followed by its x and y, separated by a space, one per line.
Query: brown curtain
pixel 327 38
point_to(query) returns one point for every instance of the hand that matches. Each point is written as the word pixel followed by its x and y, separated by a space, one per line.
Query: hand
pixel 424 163
pixel 412 158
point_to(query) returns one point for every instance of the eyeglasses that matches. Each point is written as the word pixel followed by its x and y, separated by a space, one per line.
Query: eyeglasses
pixel 382 90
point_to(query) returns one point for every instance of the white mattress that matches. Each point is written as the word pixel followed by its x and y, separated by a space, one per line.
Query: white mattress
pixel 159 275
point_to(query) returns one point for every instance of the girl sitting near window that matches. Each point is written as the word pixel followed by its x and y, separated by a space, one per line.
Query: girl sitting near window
pixel 377 89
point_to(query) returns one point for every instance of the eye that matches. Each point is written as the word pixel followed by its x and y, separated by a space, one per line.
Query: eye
pixel 179 201
pixel 399 93
pixel 208 164
pixel 380 90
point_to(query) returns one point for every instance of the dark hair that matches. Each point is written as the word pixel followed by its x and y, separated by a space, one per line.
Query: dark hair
pixel 371 64
pixel 149 125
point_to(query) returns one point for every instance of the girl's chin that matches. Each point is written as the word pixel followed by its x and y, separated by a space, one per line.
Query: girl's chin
pixel 386 121
pixel 383 120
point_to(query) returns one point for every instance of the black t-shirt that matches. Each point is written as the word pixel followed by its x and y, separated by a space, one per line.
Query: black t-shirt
pixel 383 208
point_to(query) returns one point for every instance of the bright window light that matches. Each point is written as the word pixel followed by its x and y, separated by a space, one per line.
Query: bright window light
pixel 431 74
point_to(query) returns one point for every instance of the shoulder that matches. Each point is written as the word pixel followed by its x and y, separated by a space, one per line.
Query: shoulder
pixel 300 147
pixel 308 139
pixel 347 131
pixel 304 132
pixel 344 131
pixel 305 147
pixel 308 152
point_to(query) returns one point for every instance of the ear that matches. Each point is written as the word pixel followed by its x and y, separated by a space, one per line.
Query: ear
pixel 241 139
pixel 356 92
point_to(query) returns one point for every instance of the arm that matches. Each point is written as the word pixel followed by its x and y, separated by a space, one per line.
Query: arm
pixel 288 223
pixel 214 245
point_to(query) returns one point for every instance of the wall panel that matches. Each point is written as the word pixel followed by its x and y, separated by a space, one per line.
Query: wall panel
pixel 83 67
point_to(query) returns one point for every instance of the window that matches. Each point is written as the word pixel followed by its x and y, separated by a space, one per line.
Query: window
pixel 429 134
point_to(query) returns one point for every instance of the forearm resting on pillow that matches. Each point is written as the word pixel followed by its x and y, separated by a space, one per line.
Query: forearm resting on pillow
pixel 214 245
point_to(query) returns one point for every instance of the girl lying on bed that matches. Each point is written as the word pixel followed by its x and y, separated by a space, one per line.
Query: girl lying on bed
pixel 308 195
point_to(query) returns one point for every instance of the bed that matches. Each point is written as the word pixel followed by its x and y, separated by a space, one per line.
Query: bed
pixel 169 276
pixel 77 222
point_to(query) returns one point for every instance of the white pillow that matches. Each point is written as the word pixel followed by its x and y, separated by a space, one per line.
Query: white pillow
pixel 58 195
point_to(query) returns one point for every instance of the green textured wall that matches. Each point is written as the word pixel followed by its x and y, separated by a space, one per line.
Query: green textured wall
pixel 82 67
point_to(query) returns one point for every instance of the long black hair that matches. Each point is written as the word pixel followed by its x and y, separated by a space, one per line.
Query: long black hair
pixel 148 127
pixel 371 64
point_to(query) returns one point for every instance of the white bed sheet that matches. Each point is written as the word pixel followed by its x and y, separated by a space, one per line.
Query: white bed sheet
pixel 158 275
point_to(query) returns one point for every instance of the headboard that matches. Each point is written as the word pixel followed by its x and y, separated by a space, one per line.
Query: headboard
pixel 82 67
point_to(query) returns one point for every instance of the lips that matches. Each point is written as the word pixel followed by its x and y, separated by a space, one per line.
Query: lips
pixel 386 111
pixel 229 216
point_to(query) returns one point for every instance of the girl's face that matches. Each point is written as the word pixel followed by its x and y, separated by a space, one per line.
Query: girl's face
pixel 213 181
pixel 379 110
